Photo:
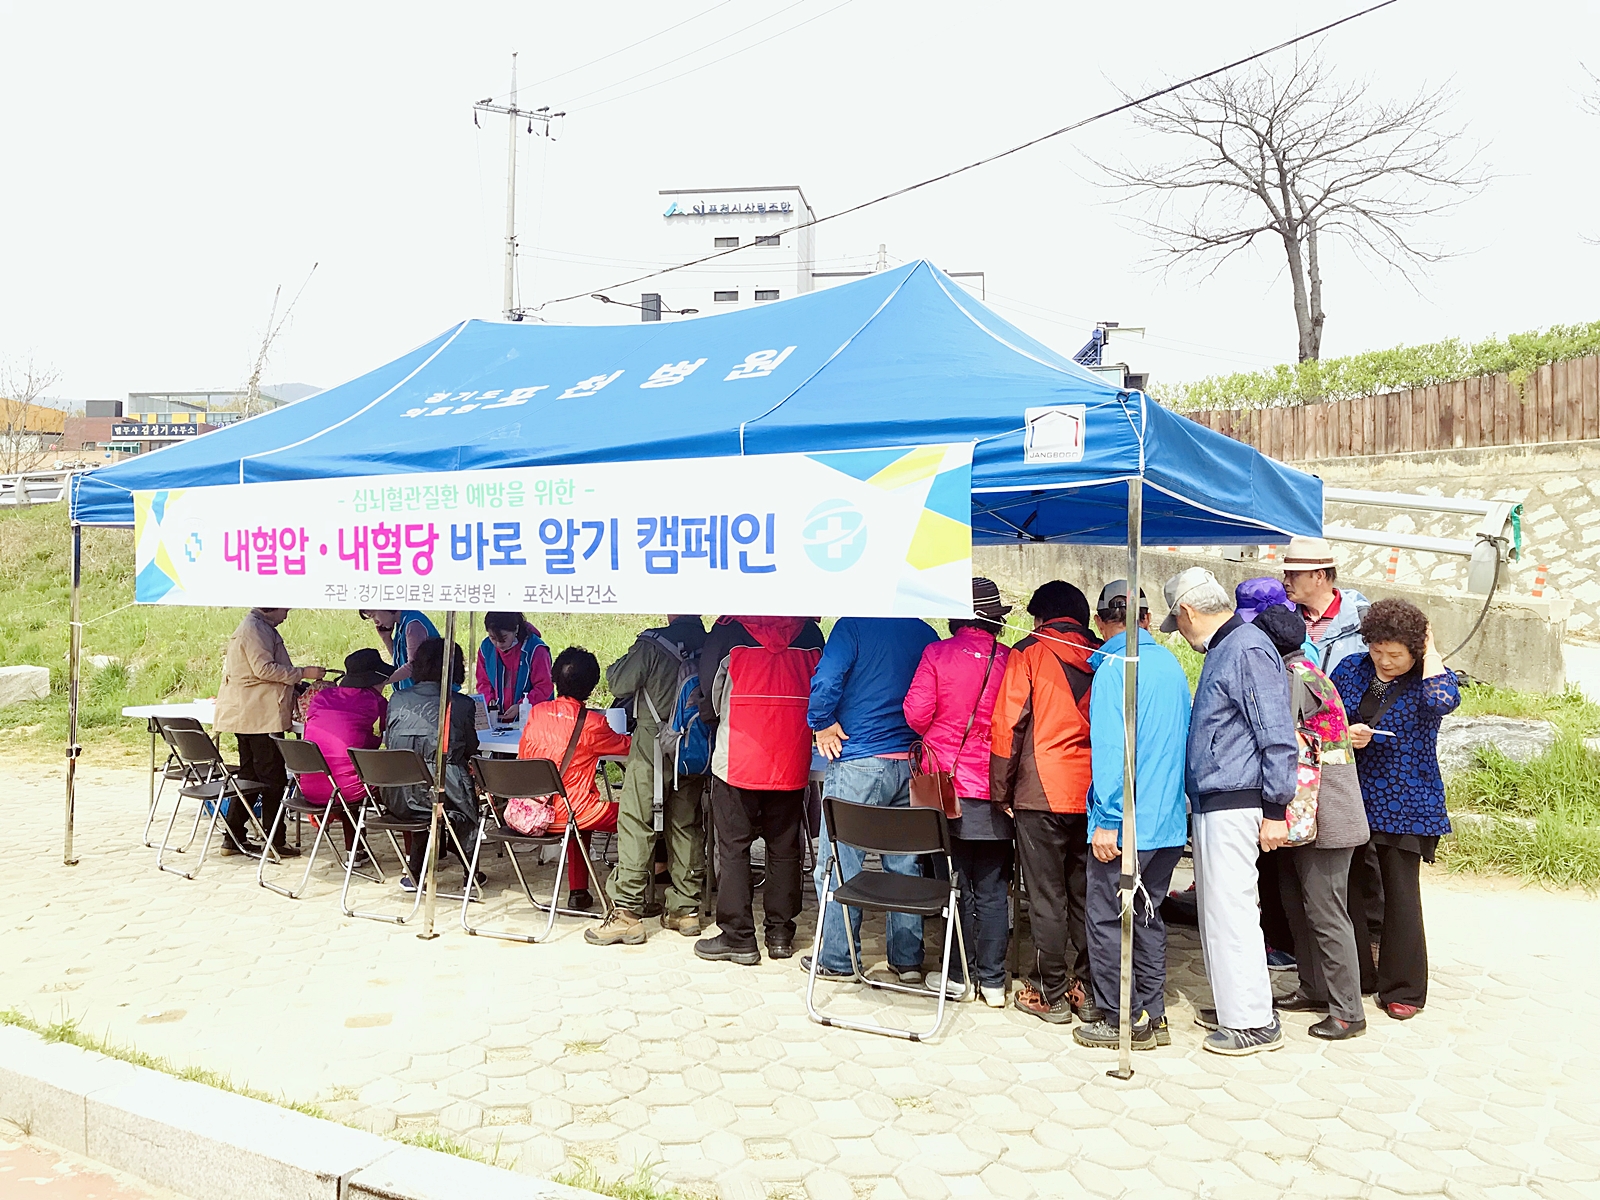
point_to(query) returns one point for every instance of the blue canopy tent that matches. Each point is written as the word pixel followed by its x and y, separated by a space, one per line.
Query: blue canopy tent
pixel 899 358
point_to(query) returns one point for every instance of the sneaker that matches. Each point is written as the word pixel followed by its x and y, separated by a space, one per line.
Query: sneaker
pixel 1163 1032
pixel 994 997
pixel 580 899
pixel 910 976
pixel 1103 1035
pixel 1333 1029
pixel 1029 1000
pixel 719 949
pixel 1082 1001
pixel 621 926
pixel 407 884
pixel 686 923
pixel 1278 960
pixel 953 988
pixel 286 851
pixel 1206 1018
pixel 1239 1042
pixel 822 971
pixel 363 861
pixel 1298 1001
pixel 1402 1012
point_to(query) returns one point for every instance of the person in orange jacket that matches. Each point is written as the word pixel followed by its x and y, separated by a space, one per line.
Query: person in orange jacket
pixel 547 734
pixel 1041 768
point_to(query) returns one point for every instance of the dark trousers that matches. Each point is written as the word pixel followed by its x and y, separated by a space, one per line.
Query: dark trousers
pixel 1315 884
pixel 1052 849
pixel 1400 975
pixel 1366 900
pixel 260 762
pixel 983 872
pixel 1103 901
pixel 1275 924
pixel 741 815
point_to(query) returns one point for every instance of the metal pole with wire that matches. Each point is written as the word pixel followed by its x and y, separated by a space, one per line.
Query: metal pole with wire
pixel 437 827
pixel 514 115
pixel 74 678
pixel 1128 883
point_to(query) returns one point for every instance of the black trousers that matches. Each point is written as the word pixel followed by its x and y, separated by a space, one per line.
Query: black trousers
pixel 1104 904
pixel 1366 900
pixel 742 815
pixel 1275 923
pixel 983 870
pixel 1400 975
pixel 259 762
pixel 1053 849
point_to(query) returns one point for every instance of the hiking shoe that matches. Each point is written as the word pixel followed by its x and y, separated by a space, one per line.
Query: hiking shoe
pixel 580 899
pixel 1163 1032
pixel 686 923
pixel 994 997
pixel 1082 1001
pixel 780 945
pixel 1239 1042
pixel 1206 1018
pixel 1334 1029
pixel 1298 1001
pixel 719 949
pixel 1029 1000
pixel 822 971
pixel 1279 960
pixel 621 926
pixel 1103 1035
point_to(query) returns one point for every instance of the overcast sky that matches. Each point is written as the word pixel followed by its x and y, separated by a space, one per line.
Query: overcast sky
pixel 166 166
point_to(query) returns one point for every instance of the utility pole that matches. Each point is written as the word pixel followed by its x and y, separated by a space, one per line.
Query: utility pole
pixel 513 115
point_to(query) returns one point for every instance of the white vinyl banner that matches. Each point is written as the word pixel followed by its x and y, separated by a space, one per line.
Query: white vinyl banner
pixel 857 532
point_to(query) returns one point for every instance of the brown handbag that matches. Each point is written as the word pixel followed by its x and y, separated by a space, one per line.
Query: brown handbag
pixel 935 788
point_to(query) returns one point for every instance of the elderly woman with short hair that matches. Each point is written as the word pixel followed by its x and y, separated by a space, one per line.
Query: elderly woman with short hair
pixel 1397 693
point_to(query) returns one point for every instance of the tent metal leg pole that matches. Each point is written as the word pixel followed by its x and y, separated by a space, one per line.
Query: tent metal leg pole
pixel 446 688
pixel 74 677
pixel 1130 761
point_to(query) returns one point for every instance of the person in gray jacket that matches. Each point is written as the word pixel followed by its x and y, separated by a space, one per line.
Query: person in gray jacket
pixel 1239 776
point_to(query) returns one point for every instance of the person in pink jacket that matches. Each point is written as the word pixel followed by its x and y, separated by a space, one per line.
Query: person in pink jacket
pixel 349 715
pixel 950 703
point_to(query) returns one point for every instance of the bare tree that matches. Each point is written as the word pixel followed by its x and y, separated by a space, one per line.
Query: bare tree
pixel 1589 103
pixel 21 384
pixel 1289 154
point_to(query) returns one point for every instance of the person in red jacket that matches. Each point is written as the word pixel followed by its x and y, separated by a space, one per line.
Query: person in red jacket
pixel 547 735
pixel 760 670
pixel 1041 767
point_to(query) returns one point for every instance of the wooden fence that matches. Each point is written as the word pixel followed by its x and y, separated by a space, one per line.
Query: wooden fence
pixel 1560 402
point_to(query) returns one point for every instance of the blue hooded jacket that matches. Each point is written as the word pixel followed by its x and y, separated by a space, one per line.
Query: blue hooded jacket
pixel 862 680
pixel 1161 816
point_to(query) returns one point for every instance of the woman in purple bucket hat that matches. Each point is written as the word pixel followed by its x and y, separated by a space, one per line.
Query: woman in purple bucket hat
pixel 1255 596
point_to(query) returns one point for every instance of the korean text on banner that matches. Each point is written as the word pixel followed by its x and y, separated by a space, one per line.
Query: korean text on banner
pixel 860 532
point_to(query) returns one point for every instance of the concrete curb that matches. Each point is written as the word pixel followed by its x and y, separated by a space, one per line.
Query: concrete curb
pixel 210 1144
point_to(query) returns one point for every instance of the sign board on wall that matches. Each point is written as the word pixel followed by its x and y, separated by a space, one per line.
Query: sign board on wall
pixel 146 429
pixel 859 532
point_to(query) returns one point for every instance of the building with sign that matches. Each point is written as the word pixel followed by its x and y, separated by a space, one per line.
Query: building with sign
pixel 113 429
pixel 698 222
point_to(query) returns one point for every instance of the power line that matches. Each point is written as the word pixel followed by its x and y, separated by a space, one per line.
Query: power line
pixel 972 166
pixel 724 58
pixel 631 45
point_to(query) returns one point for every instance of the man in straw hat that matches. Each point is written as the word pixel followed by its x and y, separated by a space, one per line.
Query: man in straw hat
pixel 1240 775
pixel 1333 616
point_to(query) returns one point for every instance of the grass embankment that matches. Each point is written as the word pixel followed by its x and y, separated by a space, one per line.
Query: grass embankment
pixel 164 654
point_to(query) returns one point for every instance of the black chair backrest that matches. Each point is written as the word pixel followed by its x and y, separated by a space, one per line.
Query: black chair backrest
pixel 166 725
pixel 192 745
pixel 300 756
pixel 886 830
pixel 504 778
pixel 390 768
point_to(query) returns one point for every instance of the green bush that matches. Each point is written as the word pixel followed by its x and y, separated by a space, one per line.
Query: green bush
pixel 1315 381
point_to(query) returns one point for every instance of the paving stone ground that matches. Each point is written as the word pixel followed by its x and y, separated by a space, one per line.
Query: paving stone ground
pixel 543 1055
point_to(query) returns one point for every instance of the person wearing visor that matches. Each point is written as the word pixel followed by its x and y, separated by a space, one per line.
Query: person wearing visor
pixel 513 664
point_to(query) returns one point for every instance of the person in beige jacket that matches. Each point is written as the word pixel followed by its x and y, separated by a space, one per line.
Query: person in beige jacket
pixel 255 701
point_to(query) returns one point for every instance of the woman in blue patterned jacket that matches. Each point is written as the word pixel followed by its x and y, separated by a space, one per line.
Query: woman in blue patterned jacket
pixel 1396 695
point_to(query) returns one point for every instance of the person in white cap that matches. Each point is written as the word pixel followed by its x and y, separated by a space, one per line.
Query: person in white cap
pixel 1332 615
pixel 1240 772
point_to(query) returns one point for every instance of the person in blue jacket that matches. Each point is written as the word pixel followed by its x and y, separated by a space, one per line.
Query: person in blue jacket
pixel 1161 819
pixel 857 712
pixel 402 631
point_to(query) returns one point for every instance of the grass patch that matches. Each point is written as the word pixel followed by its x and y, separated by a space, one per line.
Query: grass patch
pixel 444 1143
pixel 1569 708
pixel 641 1185
pixel 584 1047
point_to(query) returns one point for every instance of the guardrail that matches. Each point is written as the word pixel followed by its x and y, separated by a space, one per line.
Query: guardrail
pixel 1497 538
pixel 33 487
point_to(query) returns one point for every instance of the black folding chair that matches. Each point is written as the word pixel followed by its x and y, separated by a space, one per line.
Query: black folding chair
pixel 501 780
pixel 211 783
pixel 172 769
pixel 889 831
pixel 379 769
pixel 301 757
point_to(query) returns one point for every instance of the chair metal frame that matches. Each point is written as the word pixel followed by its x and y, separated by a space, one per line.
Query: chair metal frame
pixel 373 816
pixel 172 769
pixel 500 780
pixel 311 760
pixel 212 782
pixel 924 831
